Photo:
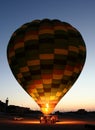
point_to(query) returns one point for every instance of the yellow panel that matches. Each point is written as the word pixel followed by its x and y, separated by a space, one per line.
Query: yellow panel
pixel 73 48
pixel 46 56
pixel 42 97
pixel 55 76
pixel 31 37
pixel 19 45
pixel 19 75
pixel 70 28
pixel 34 91
pixel 43 31
pixel 68 73
pixel 61 51
pixel 24 69
pixel 39 86
pixel 47 98
pixel 47 81
pixel 32 95
pixel 33 62
pixel 76 70
pixel 47 95
pixel 58 94
pixel 11 54
pixel 65 90
pixel 36 95
pixel 60 28
pixel 35 98
pixel 82 48
pixel 52 97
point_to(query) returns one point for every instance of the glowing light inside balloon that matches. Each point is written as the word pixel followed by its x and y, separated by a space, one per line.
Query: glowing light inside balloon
pixel 47 109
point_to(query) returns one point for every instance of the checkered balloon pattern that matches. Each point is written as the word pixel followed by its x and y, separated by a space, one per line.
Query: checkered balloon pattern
pixel 46 57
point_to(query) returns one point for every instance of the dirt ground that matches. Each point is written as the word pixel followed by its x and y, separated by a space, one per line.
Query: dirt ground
pixel 66 123
pixel 41 127
pixel 25 125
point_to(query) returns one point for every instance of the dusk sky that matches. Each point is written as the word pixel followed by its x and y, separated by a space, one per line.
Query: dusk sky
pixel 81 15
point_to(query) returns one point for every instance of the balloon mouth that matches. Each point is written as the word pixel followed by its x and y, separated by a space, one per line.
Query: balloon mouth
pixel 47 109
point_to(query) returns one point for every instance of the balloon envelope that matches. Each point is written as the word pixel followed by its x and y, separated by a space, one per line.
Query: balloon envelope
pixel 46 57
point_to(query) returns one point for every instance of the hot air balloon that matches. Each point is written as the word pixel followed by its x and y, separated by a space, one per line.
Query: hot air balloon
pixel 46 57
